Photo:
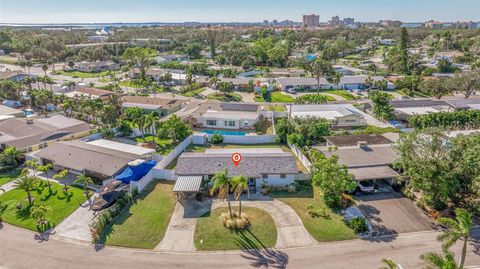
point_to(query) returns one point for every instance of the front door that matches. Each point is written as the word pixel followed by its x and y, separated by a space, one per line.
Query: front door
pixel 252 186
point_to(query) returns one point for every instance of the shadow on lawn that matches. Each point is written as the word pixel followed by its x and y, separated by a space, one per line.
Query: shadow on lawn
pixel 259 255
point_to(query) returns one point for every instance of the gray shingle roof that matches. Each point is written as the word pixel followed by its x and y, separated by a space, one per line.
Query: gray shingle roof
pixel 358 157
pixel 352 140
pixel 252 165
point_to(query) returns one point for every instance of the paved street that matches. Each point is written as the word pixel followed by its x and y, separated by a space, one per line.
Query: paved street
pixel 19 249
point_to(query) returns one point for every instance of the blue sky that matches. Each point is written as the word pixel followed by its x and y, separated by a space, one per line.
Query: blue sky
pixel 55 11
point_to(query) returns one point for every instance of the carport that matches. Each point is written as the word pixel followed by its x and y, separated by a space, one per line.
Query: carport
pixel 374 173
pixel 187 186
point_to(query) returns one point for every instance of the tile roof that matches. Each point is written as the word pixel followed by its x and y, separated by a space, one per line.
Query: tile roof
pixel 252 165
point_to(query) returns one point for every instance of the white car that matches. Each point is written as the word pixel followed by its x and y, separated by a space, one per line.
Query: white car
pixel 366 186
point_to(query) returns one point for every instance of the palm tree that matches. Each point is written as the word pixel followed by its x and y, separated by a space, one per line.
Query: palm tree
pixel 83 179
pixel 61 177
pixel 214 82
pixel 27 183
pixel 239 185
pixel 319 68
pixel 11 155
pixel 457 229
pixel 437 261
pixel 45 168
pixel 39 214
pixel 45 68
pixel 389 264
pixel 221 185
pixel 336 78
pixel 32 164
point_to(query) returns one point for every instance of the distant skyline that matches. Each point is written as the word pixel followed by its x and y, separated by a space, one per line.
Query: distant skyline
pixel 109 11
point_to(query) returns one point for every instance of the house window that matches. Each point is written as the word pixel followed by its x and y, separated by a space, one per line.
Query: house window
pixel 29 149
pixel 44 145
pixel 264 175
pixel 230 123
pixel 283 176
pixel 212 122
pixel 245 123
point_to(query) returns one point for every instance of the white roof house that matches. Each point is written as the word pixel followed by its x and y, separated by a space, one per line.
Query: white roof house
pixel 358 82
pixel 340 115
pixel 132 149
pixel 302 83
pixel 227 115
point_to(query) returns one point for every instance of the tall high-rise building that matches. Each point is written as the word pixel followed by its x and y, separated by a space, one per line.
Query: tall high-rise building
pixel 265 22
pixel 335 20
pixel 348 21
pixel 311 20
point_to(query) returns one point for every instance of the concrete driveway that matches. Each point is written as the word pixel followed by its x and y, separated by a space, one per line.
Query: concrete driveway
pixel 392 213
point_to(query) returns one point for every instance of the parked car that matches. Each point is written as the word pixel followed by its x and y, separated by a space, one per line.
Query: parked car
pixel 366 186
pixel 291 91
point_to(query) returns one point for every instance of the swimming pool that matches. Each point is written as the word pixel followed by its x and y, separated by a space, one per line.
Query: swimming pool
pixel 223 132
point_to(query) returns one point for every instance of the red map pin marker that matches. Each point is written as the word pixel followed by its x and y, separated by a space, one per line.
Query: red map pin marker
pixel 236 158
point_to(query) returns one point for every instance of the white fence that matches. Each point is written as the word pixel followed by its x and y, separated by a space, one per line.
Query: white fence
pixel 174 153
pixel 247 139
pixel 303 159
pixel 142 183
pixel 164 174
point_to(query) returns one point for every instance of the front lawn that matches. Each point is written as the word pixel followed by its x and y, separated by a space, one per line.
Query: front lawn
pixel 6 177
pixel 275 108
pixel 275 97
pixel 164 146
pixel 211 235
pixel 143 225
pixel 323 229
pixel 343 93
pixel 62 204
pixel 193 93
pixel 79 74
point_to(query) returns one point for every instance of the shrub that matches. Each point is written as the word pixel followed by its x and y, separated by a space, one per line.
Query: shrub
pixel 217 139
pixel 346 200
pixel 358 224
pixel 234 223
pixel 332 200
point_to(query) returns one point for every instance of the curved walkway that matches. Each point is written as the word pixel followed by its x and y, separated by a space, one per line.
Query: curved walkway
pixel 181 230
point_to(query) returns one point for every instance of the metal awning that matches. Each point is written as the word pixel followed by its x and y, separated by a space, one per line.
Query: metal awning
pixel 188 184
pixel 375 172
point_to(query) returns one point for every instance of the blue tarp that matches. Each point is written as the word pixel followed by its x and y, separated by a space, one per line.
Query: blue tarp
pixel 135 173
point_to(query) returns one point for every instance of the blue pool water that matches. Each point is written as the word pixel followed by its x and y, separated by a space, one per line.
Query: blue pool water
pixel 224 132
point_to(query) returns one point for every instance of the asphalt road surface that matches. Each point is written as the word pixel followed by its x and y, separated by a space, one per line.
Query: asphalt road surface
pixel 19 249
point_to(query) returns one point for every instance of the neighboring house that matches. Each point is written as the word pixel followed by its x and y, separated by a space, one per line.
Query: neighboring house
pixel 8 113
pixel 29 134
pixel 162 106
pixel 286 72
pixel 243 83
pixel 17 76
pixel 97 38
pixel 387 42
pixel 464 104
pixel 339 115
pixel 354 140
pixel 101 159
pixel 235 116
pixel 347 70
pixel 404 109
pixel 166 58
pixel 92 93
pixel 178 76
pixel 269 166
pixel 358 82
pixel 302 83
pixel 97 66
pixel 364 161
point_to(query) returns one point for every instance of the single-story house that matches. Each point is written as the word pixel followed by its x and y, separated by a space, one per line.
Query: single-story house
pixel 270 166
pixel 387 42
pixel 8 113
pixel 162 106
pixel 347 70
pixel 92 93
pixel 166 58
pixel 97 66
pixel 97 38
pixel 339 115
pixel 178 76
pixel 101 159
pixel 358 82
pixel 354 140
pixel 464 104
pixel 302 83
pixel 286 72
pixel 404 109
pixel 234 116
pixel 32 134
pixel 366 162
pixel 17 76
